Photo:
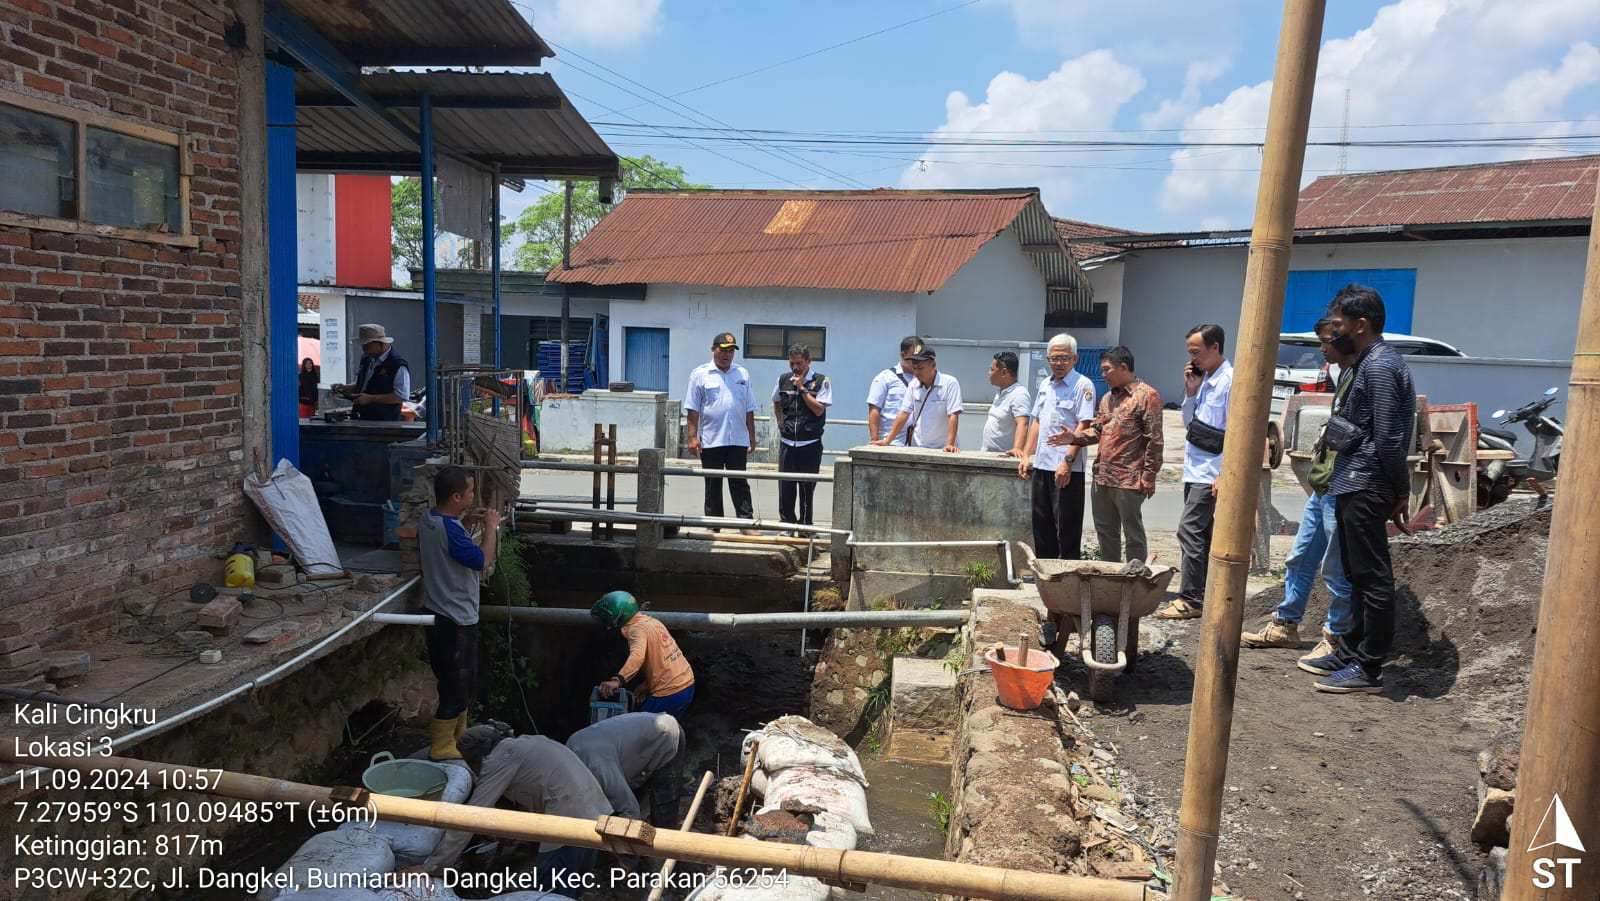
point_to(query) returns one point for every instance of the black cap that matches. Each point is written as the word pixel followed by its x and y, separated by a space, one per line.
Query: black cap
pixel 725 339
pixel 923 354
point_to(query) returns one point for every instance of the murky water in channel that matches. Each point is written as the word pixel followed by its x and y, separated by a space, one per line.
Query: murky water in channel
pixel 898 803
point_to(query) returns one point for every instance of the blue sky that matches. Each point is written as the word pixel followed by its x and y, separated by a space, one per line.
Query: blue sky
pixel 1523 76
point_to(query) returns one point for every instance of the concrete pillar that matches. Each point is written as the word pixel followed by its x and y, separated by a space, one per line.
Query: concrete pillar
pixel 255 380
pixel 651 493
pixel 843 503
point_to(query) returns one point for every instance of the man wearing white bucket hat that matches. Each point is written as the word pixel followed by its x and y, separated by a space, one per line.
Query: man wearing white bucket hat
pixel 383 380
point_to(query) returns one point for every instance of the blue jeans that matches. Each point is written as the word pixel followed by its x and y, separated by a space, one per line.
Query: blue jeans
pixel 673 705
pixel 1316 545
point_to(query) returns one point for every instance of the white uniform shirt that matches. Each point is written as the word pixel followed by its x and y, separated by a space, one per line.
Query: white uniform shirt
pixel 1000 429
pixel 929 410
pixel 722 399
pixel 824 396
pixel 887 393
pixel 1061 402
pixel 1210 403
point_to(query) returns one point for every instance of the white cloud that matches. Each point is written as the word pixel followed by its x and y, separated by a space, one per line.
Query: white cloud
pixel 1423 68
pixel 596 23
pixel 1083 95
pixel 1173 110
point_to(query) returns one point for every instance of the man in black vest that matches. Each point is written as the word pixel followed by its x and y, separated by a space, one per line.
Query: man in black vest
pixel 383 380
pixel 800 404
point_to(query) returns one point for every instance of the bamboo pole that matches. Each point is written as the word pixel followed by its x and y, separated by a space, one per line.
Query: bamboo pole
pixel 744 789
pixel 1560 744
pixel 1255 345
pixel 626 836
pixel 688 826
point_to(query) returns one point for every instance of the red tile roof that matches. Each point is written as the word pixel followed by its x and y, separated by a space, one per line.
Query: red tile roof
pixel 883 240
pixel 1521 191
pixel 1074 229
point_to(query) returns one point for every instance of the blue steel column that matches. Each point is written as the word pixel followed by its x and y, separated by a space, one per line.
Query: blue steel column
pixel 430 324
pixel 283 276
pixel 494 262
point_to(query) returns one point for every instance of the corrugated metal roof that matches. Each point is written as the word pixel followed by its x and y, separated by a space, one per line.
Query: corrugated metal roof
pixel 899 241
pixel 424 32
pixel 1076 233
pixel 1521 191
pixel 553 142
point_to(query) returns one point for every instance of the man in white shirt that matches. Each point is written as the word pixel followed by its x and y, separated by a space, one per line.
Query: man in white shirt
pixel 721 410
pixel 800 402
pixel 888 391
pixel 1063 405
pixel 1207 383
pixel 1006 429
pixel 931 411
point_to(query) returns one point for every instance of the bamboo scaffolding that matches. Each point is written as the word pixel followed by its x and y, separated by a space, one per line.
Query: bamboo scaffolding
pixel 688 826
pixel 1560 744
pixel 623 836
pixel 1255 344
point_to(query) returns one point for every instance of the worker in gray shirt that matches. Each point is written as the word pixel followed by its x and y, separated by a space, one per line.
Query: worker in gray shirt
pixel 631 752
pixel 537 775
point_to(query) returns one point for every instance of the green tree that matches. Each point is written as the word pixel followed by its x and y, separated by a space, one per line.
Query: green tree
pixel 540 224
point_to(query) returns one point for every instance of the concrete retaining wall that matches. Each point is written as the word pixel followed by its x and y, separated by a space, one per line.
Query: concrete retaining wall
pixel 643 419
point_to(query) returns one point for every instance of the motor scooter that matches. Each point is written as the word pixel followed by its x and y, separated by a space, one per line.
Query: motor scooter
pixel 1538 470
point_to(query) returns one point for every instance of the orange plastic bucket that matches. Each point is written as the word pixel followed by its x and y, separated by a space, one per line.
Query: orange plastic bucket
pixel 1022 687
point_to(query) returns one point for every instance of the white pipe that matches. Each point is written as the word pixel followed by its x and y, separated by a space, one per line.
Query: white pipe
pixel 805 603
pixel 589 514
pixel 199 709
pixel 1011 572
pixel 712 622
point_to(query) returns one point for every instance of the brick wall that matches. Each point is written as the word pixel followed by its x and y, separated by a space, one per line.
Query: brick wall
pixel 120 359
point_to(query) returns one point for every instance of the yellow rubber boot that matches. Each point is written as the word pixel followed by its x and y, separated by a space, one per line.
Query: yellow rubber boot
pixel 442 739
pixel 461 724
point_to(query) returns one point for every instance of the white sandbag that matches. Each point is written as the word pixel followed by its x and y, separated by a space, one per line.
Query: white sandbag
pixel 530 896
pixel 432 890
pixel 338 852
pixel 832 830
pixel 334 894
pixel 782 886
pixel 413 844
pixel 820 788
pixel 289 504
pixel 796 741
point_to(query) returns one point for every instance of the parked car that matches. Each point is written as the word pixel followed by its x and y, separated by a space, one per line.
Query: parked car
pixel 1301 367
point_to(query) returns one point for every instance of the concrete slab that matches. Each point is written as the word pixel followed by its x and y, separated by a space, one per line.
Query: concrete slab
pixel 922 695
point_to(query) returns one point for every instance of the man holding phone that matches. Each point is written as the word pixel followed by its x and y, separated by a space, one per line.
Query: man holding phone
pixel 1371 487
pixel 1207 384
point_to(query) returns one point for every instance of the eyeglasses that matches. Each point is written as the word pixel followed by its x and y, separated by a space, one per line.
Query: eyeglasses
pixel 1058 358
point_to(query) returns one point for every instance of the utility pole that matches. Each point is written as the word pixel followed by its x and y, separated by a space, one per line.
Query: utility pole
pixel 1266 275
pixel 566 290
pixel 1344 135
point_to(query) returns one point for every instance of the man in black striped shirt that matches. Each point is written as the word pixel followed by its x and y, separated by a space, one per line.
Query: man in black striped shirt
pixel 1371 487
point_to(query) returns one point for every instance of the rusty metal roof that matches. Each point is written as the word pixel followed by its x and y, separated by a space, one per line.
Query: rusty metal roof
pixel 882 240
pixel 424 32
pixel 1526 191
pixel 1080 237
pixel 522 121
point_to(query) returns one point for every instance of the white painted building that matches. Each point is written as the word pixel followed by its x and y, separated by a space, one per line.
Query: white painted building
pixel 848 273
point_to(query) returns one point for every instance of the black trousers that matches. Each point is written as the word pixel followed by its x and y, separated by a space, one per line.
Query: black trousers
pixel 727 457
pixel 1058 515
pixel 1194 539
pixel 798 459
pixel 453 657
pixel 1364 549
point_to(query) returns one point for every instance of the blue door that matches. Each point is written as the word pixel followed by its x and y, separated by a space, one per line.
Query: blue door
pixel 1306 299
pixel 645 358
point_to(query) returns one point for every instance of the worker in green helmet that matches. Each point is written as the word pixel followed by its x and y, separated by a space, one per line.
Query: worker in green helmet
pixel 652 656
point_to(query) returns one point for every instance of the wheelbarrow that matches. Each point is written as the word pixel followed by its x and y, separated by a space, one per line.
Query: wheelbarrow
pixel 1103 603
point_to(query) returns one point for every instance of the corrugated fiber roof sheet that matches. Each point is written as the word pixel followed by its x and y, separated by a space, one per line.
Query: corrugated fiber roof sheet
pixel 424 32
pixel 884 240
pixel 1521 191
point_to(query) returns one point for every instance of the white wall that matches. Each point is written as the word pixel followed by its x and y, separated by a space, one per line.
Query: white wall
pixel 999 293
pixel 864 332
pixel 314 218
pixel 527 305
pixel 1508 297
pixel 1106 278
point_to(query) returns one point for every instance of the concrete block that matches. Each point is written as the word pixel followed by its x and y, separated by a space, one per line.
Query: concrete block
pixel 219 616
pixel 29 653
pixel 274 634
pixel 277 576
pixel 1492 824
pixel 16 642
pixel 67 665
pixel 14 674
pixel 923 695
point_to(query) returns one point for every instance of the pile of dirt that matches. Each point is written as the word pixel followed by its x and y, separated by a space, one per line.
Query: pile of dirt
pixel 1336 797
